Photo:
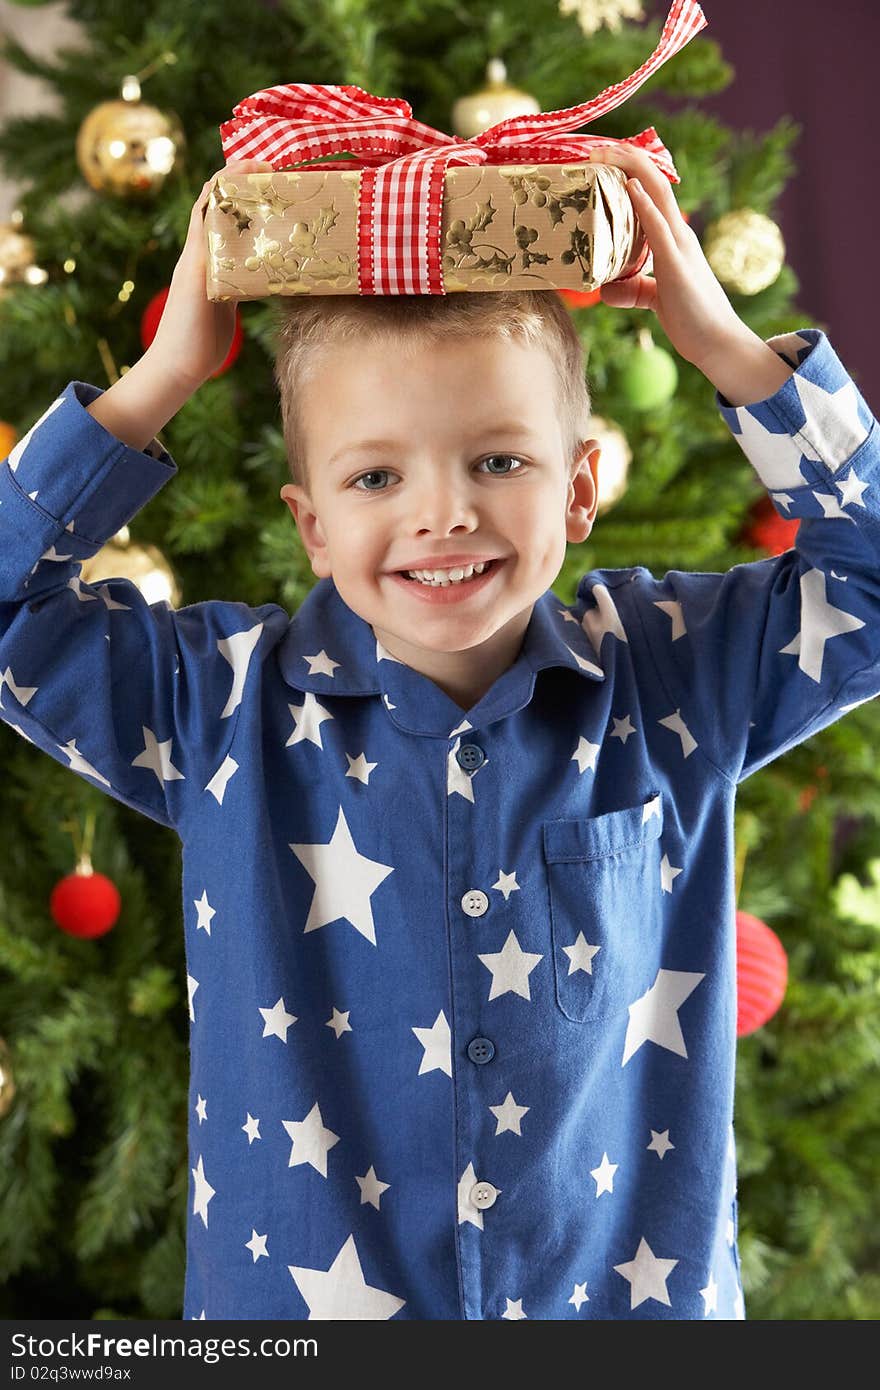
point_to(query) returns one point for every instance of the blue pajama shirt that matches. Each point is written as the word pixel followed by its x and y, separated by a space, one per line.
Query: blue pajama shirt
pixel 461 984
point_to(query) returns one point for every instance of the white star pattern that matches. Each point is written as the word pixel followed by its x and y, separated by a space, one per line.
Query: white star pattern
pixel 510 967
pixel 203 1191
pixel 219 782
pixel 251 1128
pixel 312 1141
pixel 673 608
pixel 371 1188
pixel 359 768
pixel 623 728
pixel 668 875
pixel 345 881
pixel 321 664
pixel 580 955
pixel 678 726
pixel 276 1021
pixel 647 1275
pixel 509 1115
pixel 238 650
pixel 506 884
pixel 257 1245
pixel 820 621
pixel 341 1292
pixel 201 1109
pixel 580 1296
pixel 437 1044
pixel 513 1309
pixel 660 1143
pixel 604 1175
pixel 585 754
pixel 654 1017
pixel 307 720
pixel 339 1022
pixel 206 912
pixel 157 757
pixel 601 619
pixel 710 1296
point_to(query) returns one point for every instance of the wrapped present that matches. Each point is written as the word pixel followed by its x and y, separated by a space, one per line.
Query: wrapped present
pixel 417 211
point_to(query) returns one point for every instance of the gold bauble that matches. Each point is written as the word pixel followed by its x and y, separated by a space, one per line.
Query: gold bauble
pixel 7 1080
pixel 128 148
pixel 144 565
pixel 17 264
pixel 614 461
pixel 745 249
pixel 495 102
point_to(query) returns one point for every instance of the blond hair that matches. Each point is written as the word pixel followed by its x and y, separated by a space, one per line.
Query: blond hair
pixel 310 326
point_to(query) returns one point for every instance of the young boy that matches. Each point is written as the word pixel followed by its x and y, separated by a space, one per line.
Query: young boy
pixel 458 859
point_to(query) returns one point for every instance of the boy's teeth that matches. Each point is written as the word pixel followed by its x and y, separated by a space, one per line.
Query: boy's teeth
pixel 453 576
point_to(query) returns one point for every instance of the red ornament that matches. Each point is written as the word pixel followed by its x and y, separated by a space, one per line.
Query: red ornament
pixel 85 904
pixel 579 299
pixel 768 530
pixel 150 323
pixel 761 973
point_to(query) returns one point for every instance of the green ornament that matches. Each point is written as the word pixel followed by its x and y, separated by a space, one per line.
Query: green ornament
pixel 649 378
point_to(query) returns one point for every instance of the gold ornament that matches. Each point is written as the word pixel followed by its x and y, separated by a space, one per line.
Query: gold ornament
pixel 495 102
pixel 144 565
pixel 596 14
pixel 614 461
pixel 745 249
pixel 17 264
pixel 128 148
pixel 7 1080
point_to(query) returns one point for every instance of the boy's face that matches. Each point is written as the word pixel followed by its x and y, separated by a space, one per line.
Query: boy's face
pixel 436 491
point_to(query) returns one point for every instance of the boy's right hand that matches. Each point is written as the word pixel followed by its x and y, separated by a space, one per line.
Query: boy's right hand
pixel 195 334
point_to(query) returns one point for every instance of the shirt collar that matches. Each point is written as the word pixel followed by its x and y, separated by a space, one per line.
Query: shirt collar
pixel 330 650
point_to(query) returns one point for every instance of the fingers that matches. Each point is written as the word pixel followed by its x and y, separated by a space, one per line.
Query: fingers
pixel 639 165
pixel 638 292
pixel 661 237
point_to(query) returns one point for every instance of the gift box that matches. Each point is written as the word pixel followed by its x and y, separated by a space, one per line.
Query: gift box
pixel 503 227
pixel 413 210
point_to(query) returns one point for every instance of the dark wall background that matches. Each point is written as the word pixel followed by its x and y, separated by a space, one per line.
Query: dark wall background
pixel 820 64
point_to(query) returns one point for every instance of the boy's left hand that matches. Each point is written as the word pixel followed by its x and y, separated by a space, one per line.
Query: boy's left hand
pixel 692 308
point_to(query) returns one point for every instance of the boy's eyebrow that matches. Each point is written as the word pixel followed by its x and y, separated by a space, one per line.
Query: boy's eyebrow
pixel 364 446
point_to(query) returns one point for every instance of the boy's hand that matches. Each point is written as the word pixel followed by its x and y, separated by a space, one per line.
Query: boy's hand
pixel 690 304
pixel 194 334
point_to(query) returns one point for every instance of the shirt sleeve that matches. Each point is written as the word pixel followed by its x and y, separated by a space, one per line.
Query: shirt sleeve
pixel 759 658
pixel 136 697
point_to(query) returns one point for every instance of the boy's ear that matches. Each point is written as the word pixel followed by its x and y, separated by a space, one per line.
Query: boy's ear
pixel 309 527
pixel 583 488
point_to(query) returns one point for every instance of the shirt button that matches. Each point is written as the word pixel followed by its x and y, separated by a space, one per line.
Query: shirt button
pixel 481 1050
pixel 470 757
pixel 483 1194
pixel 475 903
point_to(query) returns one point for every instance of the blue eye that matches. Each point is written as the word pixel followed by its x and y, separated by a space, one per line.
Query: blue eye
pixel 382 472
pixel 509 457
pixel 376 473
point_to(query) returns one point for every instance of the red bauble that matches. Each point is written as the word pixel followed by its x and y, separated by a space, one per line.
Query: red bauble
pixel 150 323
pixel 85 905
pixel 579 299
pixel 761 973
pixel 768 530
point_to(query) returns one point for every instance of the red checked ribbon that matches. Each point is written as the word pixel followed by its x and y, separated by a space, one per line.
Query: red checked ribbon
pixel 404 162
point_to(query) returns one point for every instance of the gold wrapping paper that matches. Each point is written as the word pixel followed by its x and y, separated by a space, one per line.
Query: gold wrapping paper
pixel 504 227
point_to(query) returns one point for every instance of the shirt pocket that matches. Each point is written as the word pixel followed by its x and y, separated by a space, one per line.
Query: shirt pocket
pixel 604 882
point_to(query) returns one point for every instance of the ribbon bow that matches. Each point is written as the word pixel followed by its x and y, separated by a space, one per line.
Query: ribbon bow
pixel 404 161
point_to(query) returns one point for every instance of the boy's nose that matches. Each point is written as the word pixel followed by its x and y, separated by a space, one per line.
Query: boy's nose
pixel 442 507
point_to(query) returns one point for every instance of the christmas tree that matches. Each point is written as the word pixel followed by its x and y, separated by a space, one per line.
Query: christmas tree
pixel 94 1052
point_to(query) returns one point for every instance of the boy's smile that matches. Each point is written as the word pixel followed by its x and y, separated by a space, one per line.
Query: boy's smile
pixel 432 459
